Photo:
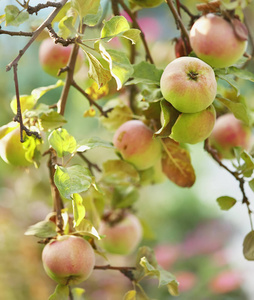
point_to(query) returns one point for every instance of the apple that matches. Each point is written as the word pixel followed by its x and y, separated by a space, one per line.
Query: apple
pixel 134 141
pixel 146 3
pixel 214 40
pixel 68 259
pixel 11 149
pixel 194 128
pixel 230 132
pixel 53 57
pixel 122 237
pixel 189 84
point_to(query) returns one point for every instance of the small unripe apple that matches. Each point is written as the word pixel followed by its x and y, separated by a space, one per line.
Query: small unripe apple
pixel 214 40
pixel 194 128
pixel 189 84
pixel 122 237
pixel 134 140
pixel 11 149
pixel 53 57
pixel 146 3
pixel 228 133
pixel 68 259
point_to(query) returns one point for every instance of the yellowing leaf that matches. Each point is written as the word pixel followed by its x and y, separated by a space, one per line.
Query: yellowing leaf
pixel 97 93
pixel 176 164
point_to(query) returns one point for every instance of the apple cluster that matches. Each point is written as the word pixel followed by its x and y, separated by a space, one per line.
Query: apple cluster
pixel 189 84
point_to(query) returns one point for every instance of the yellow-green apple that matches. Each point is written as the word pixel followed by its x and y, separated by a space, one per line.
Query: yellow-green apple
pixel 189 84
pixel 68 259
pixel 146 3
pixel 53 57
pixel 194 128
pixel 134 141
pixel 122 237
pixel 11 149
pixel 214 40
pixel 229 132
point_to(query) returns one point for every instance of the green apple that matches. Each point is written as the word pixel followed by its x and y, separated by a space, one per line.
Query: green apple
pixel 122 237
pixel 228 133
pixel 134 140
pixel 213 39
pixel 53 57
pixel 68 259
pixel 194 128
pixel 189 84
pixel 11 149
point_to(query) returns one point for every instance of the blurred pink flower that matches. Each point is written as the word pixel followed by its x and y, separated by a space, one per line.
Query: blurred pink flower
pixel 225 282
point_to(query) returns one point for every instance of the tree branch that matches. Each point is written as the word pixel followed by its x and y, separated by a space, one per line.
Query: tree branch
pixel 15 33
pixel 34 9
pixel 236 175
pixel 127 271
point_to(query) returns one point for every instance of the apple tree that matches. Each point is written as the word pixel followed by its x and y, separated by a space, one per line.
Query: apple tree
pixel 151 108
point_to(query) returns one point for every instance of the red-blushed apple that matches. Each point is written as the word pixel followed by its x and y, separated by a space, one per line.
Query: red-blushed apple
pixel 69 259
pixel 214 40
pixel 229 132
pixel 11 149
pixel 53 57
pixel 194 128
pixel 134 140
pixel 189 84
pixel 146 3
pixel 225 282
pixel 122 237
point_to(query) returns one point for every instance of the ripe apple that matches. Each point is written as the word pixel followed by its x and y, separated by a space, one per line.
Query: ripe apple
pixel 68 259
pixel 135 142
pixel 228 133
pixel 189 84
pixel 53 57
pixel 11 149
pixel 122 237
pixel 146 3
pixel 194 128
pixel 214 41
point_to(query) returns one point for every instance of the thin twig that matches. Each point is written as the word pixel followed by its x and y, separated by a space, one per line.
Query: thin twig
pixel 90 164
pixel 115 7
pixel 127 271
pixel 34 9
pixel 36 34
pixel 236 175
pixel 178 19
pixel 16 33
pixel 91 101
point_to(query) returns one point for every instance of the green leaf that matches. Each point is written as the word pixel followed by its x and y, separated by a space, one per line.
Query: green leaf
pixel 119 171
pixel 164 277
pixel 63 12
pixel 145 73
pixel 43 229
pixel 96 71
pixel 15 17
pixel 5 129
pixel 66 27
pixel 51 120
pixel 223 74
pixel 93 19
pixel 92 143
pixel 119 64
pixel 78 293
pixel 119 26
pixel 248 246
pixel 124 196
pixel 87 7
pixel 62 142
pixel 248 166
pixel 86 228
pixel 251 184
pixel 226 202
pixel 119 114
pixel 239 109
pixel 79 210
pixel 32 145
pixel 241 73
pixel 75 179
pixel 61 293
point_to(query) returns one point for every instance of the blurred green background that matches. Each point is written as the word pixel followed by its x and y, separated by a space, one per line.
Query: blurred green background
pixel 191 237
